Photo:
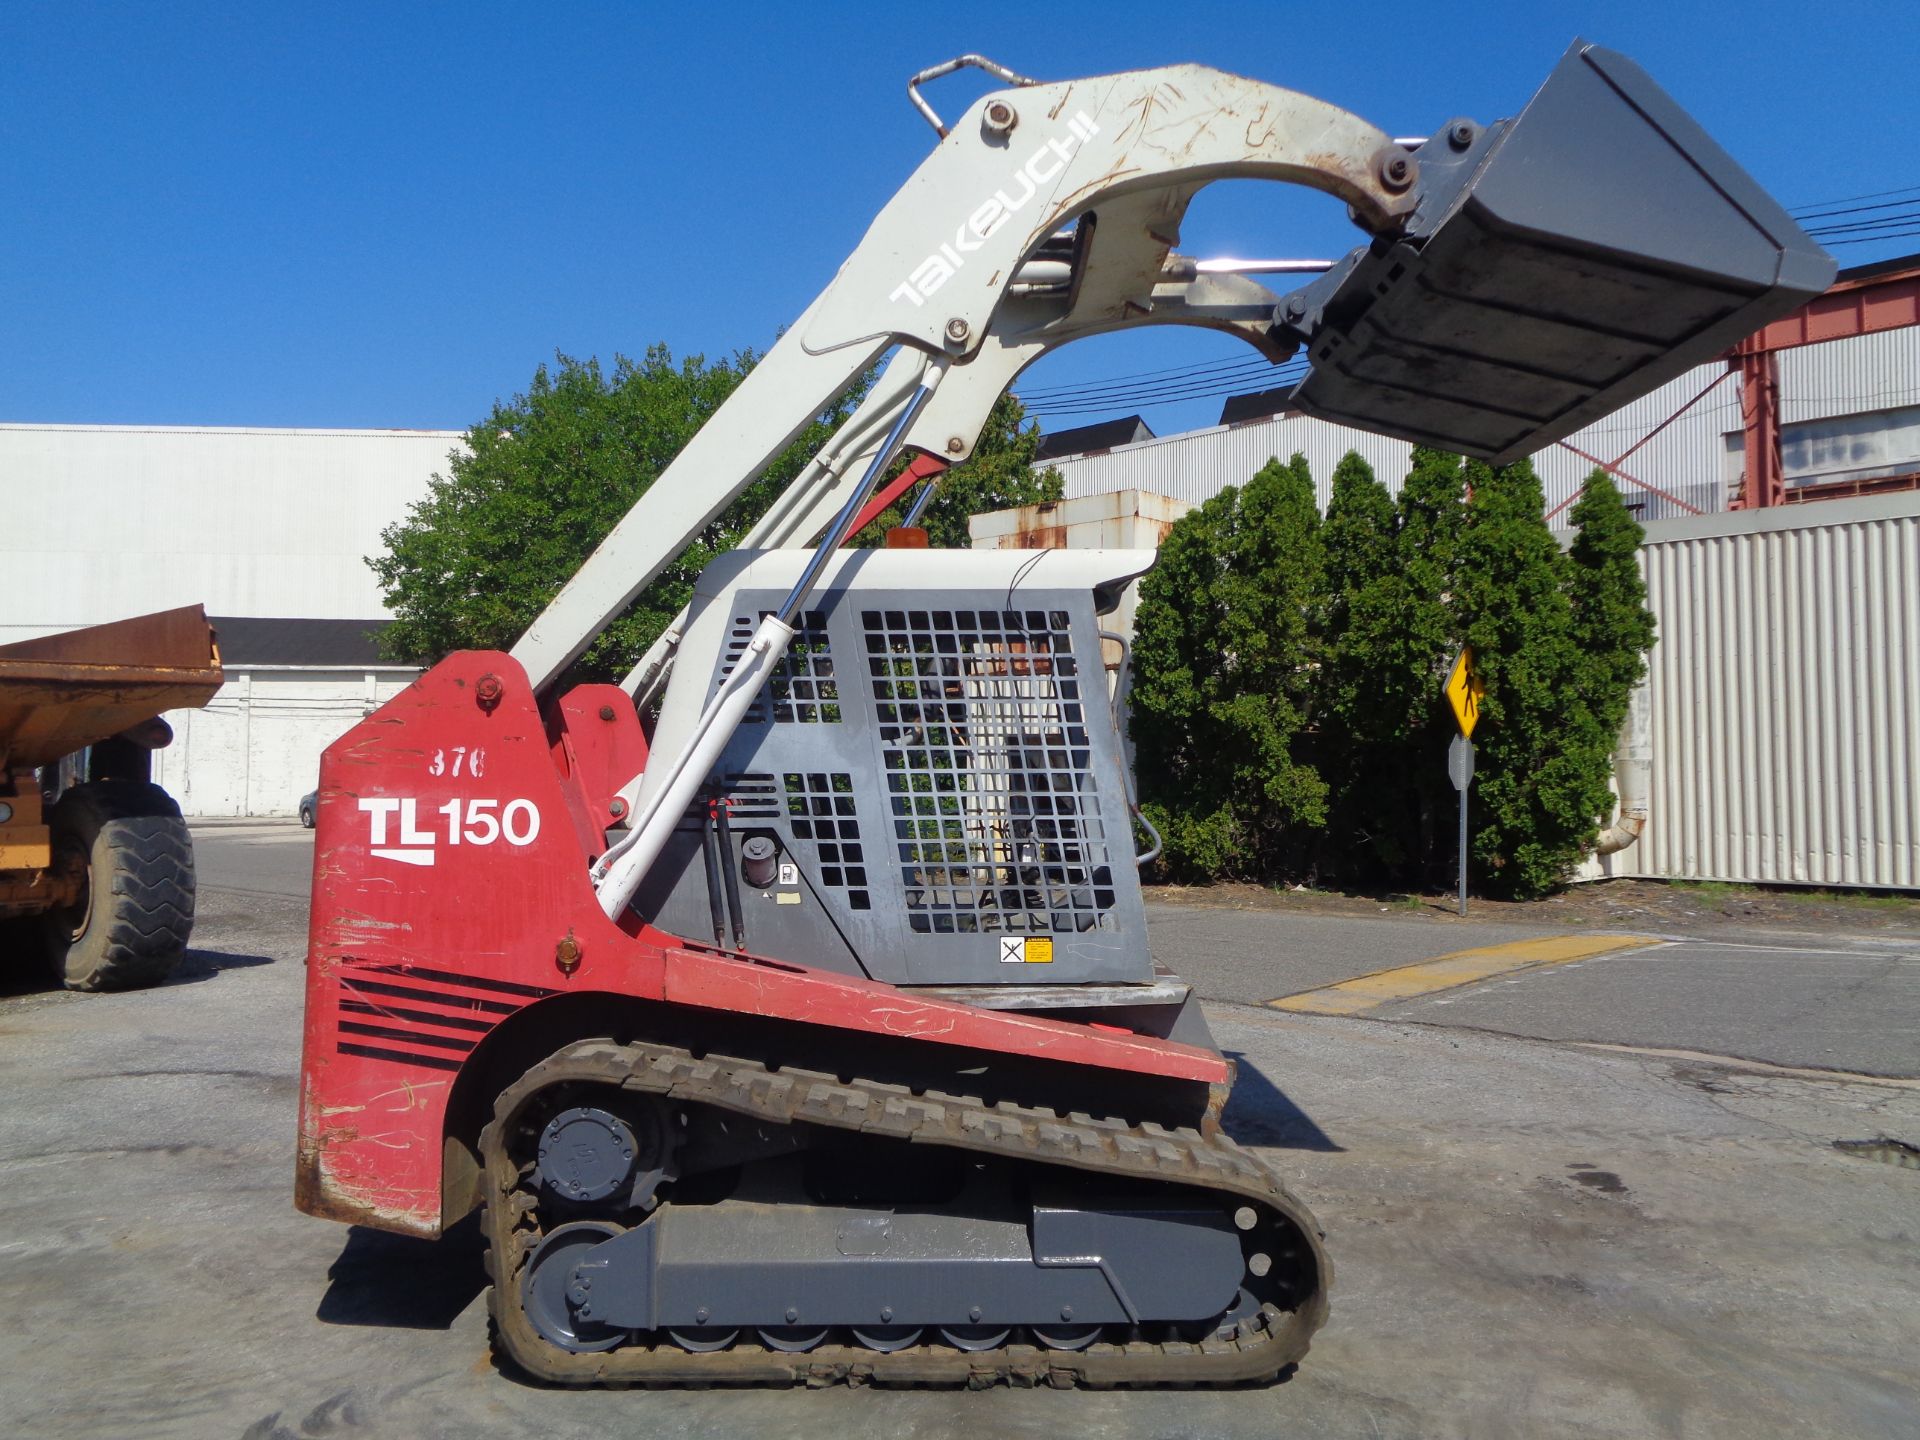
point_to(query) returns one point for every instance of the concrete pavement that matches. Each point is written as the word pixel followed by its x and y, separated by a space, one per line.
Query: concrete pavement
pixel 1251 956
pixel 1530 1238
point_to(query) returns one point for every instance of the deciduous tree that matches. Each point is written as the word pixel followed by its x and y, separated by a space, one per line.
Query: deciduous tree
pixel 544 476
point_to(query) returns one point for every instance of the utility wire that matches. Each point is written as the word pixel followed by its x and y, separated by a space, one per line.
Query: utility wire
pixel 1848 199
pixel 1858 209
pixel 1170 371
pixel 1208 379
pixel 1899 208
pixel 1151 393
pixel 1867 227
pixel 1157 387
pixel 1249 366
pixel 1127 386
pixel 1870 239
pixel 1108 407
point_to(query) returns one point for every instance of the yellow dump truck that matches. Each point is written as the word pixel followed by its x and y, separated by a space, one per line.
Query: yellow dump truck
pixel 96 866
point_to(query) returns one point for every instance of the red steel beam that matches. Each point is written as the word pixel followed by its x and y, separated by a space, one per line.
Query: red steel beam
pixel 1618 473
pixel 1859 306
pixel 922 467
pixel 1625 454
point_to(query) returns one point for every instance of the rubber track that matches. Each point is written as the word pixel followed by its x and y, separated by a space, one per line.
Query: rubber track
pixel 148 907
pixel 1261 1351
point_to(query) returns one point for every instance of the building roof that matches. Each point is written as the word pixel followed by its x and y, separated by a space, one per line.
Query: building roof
pixel 1102 435
pixel 275 640
pixel 1873 269
pixel 1257 406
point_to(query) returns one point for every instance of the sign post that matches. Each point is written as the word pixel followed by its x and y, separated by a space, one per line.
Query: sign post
pixel 1463 692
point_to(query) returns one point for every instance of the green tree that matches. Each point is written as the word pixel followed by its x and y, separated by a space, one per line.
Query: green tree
pixel 1363 615
pixel 543 478
pixel 1541 778
pixel 1418 632
pixel 999 475
pixel 545 475
pixel 1226 662
pixel 1613 630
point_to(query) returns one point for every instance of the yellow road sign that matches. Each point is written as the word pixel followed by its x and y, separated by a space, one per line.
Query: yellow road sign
pixel 1464 691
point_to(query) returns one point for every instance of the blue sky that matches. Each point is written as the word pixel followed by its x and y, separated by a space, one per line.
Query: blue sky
pixel 388 215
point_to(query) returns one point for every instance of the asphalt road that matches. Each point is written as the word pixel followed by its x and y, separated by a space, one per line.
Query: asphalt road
pixel 1836 1002
pixel 270 859
pixel 1833 1002
pixel 1531 1239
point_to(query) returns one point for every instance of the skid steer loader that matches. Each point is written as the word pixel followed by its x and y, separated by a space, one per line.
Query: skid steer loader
pixel 787 1010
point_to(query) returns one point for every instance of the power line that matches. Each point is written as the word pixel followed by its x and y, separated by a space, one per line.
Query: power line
pixel 1858 209
pixel 1849 199
pixel 1870 239
pixel 1861 227
pixel 1124 389
pixel 1172 370
pixel 1210 379
pixel 1206 392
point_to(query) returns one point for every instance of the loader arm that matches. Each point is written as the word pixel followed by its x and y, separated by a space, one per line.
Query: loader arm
pixel 932 274
pixel 1498 304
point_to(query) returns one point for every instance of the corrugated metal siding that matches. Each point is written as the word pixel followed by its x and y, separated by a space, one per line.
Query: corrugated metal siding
pixel 1785 689
pixel 1688 460
pixel 1846 377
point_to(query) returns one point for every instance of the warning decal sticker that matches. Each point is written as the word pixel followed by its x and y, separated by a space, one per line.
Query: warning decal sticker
pixel 1036 951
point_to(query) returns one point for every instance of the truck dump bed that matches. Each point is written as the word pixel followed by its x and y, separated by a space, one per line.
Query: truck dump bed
pixel 61 693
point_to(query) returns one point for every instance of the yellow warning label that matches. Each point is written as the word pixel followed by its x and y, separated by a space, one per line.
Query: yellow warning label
pixel 1040 951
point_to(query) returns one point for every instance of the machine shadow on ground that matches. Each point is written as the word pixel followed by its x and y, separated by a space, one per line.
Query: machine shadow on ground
pixel 24 971
pixel 198 965
pixel 401 1282
pixel 1259 1113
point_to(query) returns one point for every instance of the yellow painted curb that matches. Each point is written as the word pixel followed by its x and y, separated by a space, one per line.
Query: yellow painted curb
pixel 1446 972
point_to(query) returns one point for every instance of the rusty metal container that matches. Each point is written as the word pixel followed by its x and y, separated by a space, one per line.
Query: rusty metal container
pixel 62 693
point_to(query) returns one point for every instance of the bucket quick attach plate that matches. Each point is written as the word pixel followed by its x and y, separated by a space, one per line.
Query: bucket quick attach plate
pixel 1559 265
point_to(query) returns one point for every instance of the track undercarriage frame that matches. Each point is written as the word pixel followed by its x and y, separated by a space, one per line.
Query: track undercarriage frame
pixel 463 993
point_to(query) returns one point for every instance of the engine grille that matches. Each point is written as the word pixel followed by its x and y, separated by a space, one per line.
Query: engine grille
pixel 985 747
pixel 820 809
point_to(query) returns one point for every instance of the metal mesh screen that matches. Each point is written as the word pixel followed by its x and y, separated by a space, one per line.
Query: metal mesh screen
pixel 985 747
pixel 802 687
pixel 820 809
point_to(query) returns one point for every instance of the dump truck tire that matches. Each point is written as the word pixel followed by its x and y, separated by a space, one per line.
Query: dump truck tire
pixel 131 924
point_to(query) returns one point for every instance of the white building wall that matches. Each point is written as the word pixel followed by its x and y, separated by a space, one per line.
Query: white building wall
pixel 105 522
pixel 255 749
pixel 1126 520
pixel 1688 460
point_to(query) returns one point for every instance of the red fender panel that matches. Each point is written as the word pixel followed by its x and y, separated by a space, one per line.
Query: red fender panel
pixel 450 891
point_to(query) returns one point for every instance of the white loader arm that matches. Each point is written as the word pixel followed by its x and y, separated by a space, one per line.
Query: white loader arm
pixel 1520 280
pixel 938 262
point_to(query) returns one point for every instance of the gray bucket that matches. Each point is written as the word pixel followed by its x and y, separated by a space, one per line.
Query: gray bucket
pixel 1558 266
